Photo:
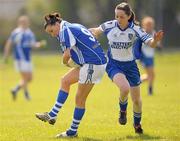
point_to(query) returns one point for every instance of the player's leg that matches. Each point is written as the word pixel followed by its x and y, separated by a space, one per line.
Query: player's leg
pixel 25 69
pixel 89 75
pixel 143 61
pixel 81 96
pixel 26 78
pixel 120 80
pixel 133 77
pixel 148 64
pixel 144 77
pixel 15 90
pixel 68 79
pixel 137 108
pixel 151 76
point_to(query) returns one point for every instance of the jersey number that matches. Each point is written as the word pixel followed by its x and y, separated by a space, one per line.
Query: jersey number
pixel 87 32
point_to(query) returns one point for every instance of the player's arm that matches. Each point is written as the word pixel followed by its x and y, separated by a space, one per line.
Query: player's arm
pixel 39 44
pixel 66 56
pixel 67 61
pixel 7 50
pixel 157 38
pixel 96 31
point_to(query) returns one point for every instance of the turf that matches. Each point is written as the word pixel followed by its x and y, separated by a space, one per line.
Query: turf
pixel 161 112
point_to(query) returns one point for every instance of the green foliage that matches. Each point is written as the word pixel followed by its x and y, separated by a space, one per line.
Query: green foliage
pixel 160 112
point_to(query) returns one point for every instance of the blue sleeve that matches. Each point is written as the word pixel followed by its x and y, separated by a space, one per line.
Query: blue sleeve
pixel 145 37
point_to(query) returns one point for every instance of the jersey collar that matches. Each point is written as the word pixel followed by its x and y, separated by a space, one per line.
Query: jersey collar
pixel 60 36
pixel 130 24
pixel 62 24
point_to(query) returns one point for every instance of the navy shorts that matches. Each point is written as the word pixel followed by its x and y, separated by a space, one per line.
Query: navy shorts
pixel 129 69
pixel 147 61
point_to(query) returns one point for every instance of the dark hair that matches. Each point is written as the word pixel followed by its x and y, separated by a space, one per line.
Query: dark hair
pixel 128 11
pixel 51 19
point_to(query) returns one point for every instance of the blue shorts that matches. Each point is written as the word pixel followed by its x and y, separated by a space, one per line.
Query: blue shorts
pixel 129 69
pixel 147 61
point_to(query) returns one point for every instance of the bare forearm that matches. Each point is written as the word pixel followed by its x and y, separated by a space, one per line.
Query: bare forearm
pixel 66 56
pixel 39 44
pixel 152 43
pixel 65 60
pixel 7 49
pixel 95 31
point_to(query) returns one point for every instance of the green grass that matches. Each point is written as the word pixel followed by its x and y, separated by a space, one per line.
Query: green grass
pixel 161 112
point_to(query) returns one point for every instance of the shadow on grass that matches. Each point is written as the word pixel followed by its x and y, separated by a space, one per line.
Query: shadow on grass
pixel 138 137
pixel 129 137
pixel 89 139
pixel 76 139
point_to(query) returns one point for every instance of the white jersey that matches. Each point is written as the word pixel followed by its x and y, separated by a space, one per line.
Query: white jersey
pixel 121 42
pixel 147 50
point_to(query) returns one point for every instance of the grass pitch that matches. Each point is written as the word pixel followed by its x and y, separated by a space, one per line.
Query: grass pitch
pixel 161 112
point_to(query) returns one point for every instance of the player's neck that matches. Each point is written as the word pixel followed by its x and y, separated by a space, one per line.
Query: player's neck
pixel 123 26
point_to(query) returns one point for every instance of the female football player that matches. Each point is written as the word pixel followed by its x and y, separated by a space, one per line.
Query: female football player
pixel 123 34
pixel 79 47
pixel 147 58
pixel 22 39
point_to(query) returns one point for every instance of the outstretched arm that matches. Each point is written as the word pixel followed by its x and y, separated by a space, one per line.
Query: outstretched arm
pixel 39 44
pixel 96 31
pixel 157 37
pixel 7 50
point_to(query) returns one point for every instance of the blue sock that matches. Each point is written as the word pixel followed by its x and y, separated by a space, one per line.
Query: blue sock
pixel 150 90
pixel 78 114
pixel 123 105
pixel 17 88
pixel 62 96
pixel 137 118
pixel 26 94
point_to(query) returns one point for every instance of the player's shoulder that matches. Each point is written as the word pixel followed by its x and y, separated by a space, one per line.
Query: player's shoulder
pixel 70 26
pixel 17 30
pixel 110 24
pixel 74 28
pixel 29 31
pixel 137 28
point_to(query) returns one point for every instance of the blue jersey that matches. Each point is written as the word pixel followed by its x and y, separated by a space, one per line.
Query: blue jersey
pixel 84 47
pixel 22 41
pixel 124 44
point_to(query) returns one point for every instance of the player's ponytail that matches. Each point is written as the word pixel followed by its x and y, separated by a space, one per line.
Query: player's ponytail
pixel 128 10
pixel 51 19
pixel 133 18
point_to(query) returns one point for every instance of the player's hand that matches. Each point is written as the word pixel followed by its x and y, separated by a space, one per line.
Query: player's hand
pixel 43 43
pixel 3 62
pixel 72 64
pixel 158 36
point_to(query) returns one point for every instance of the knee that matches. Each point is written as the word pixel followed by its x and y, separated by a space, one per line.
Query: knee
pixel 124 90
pixel 80 101
pixel 151 75
pixel 64 81
pixel 29 79
pixel 137 102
